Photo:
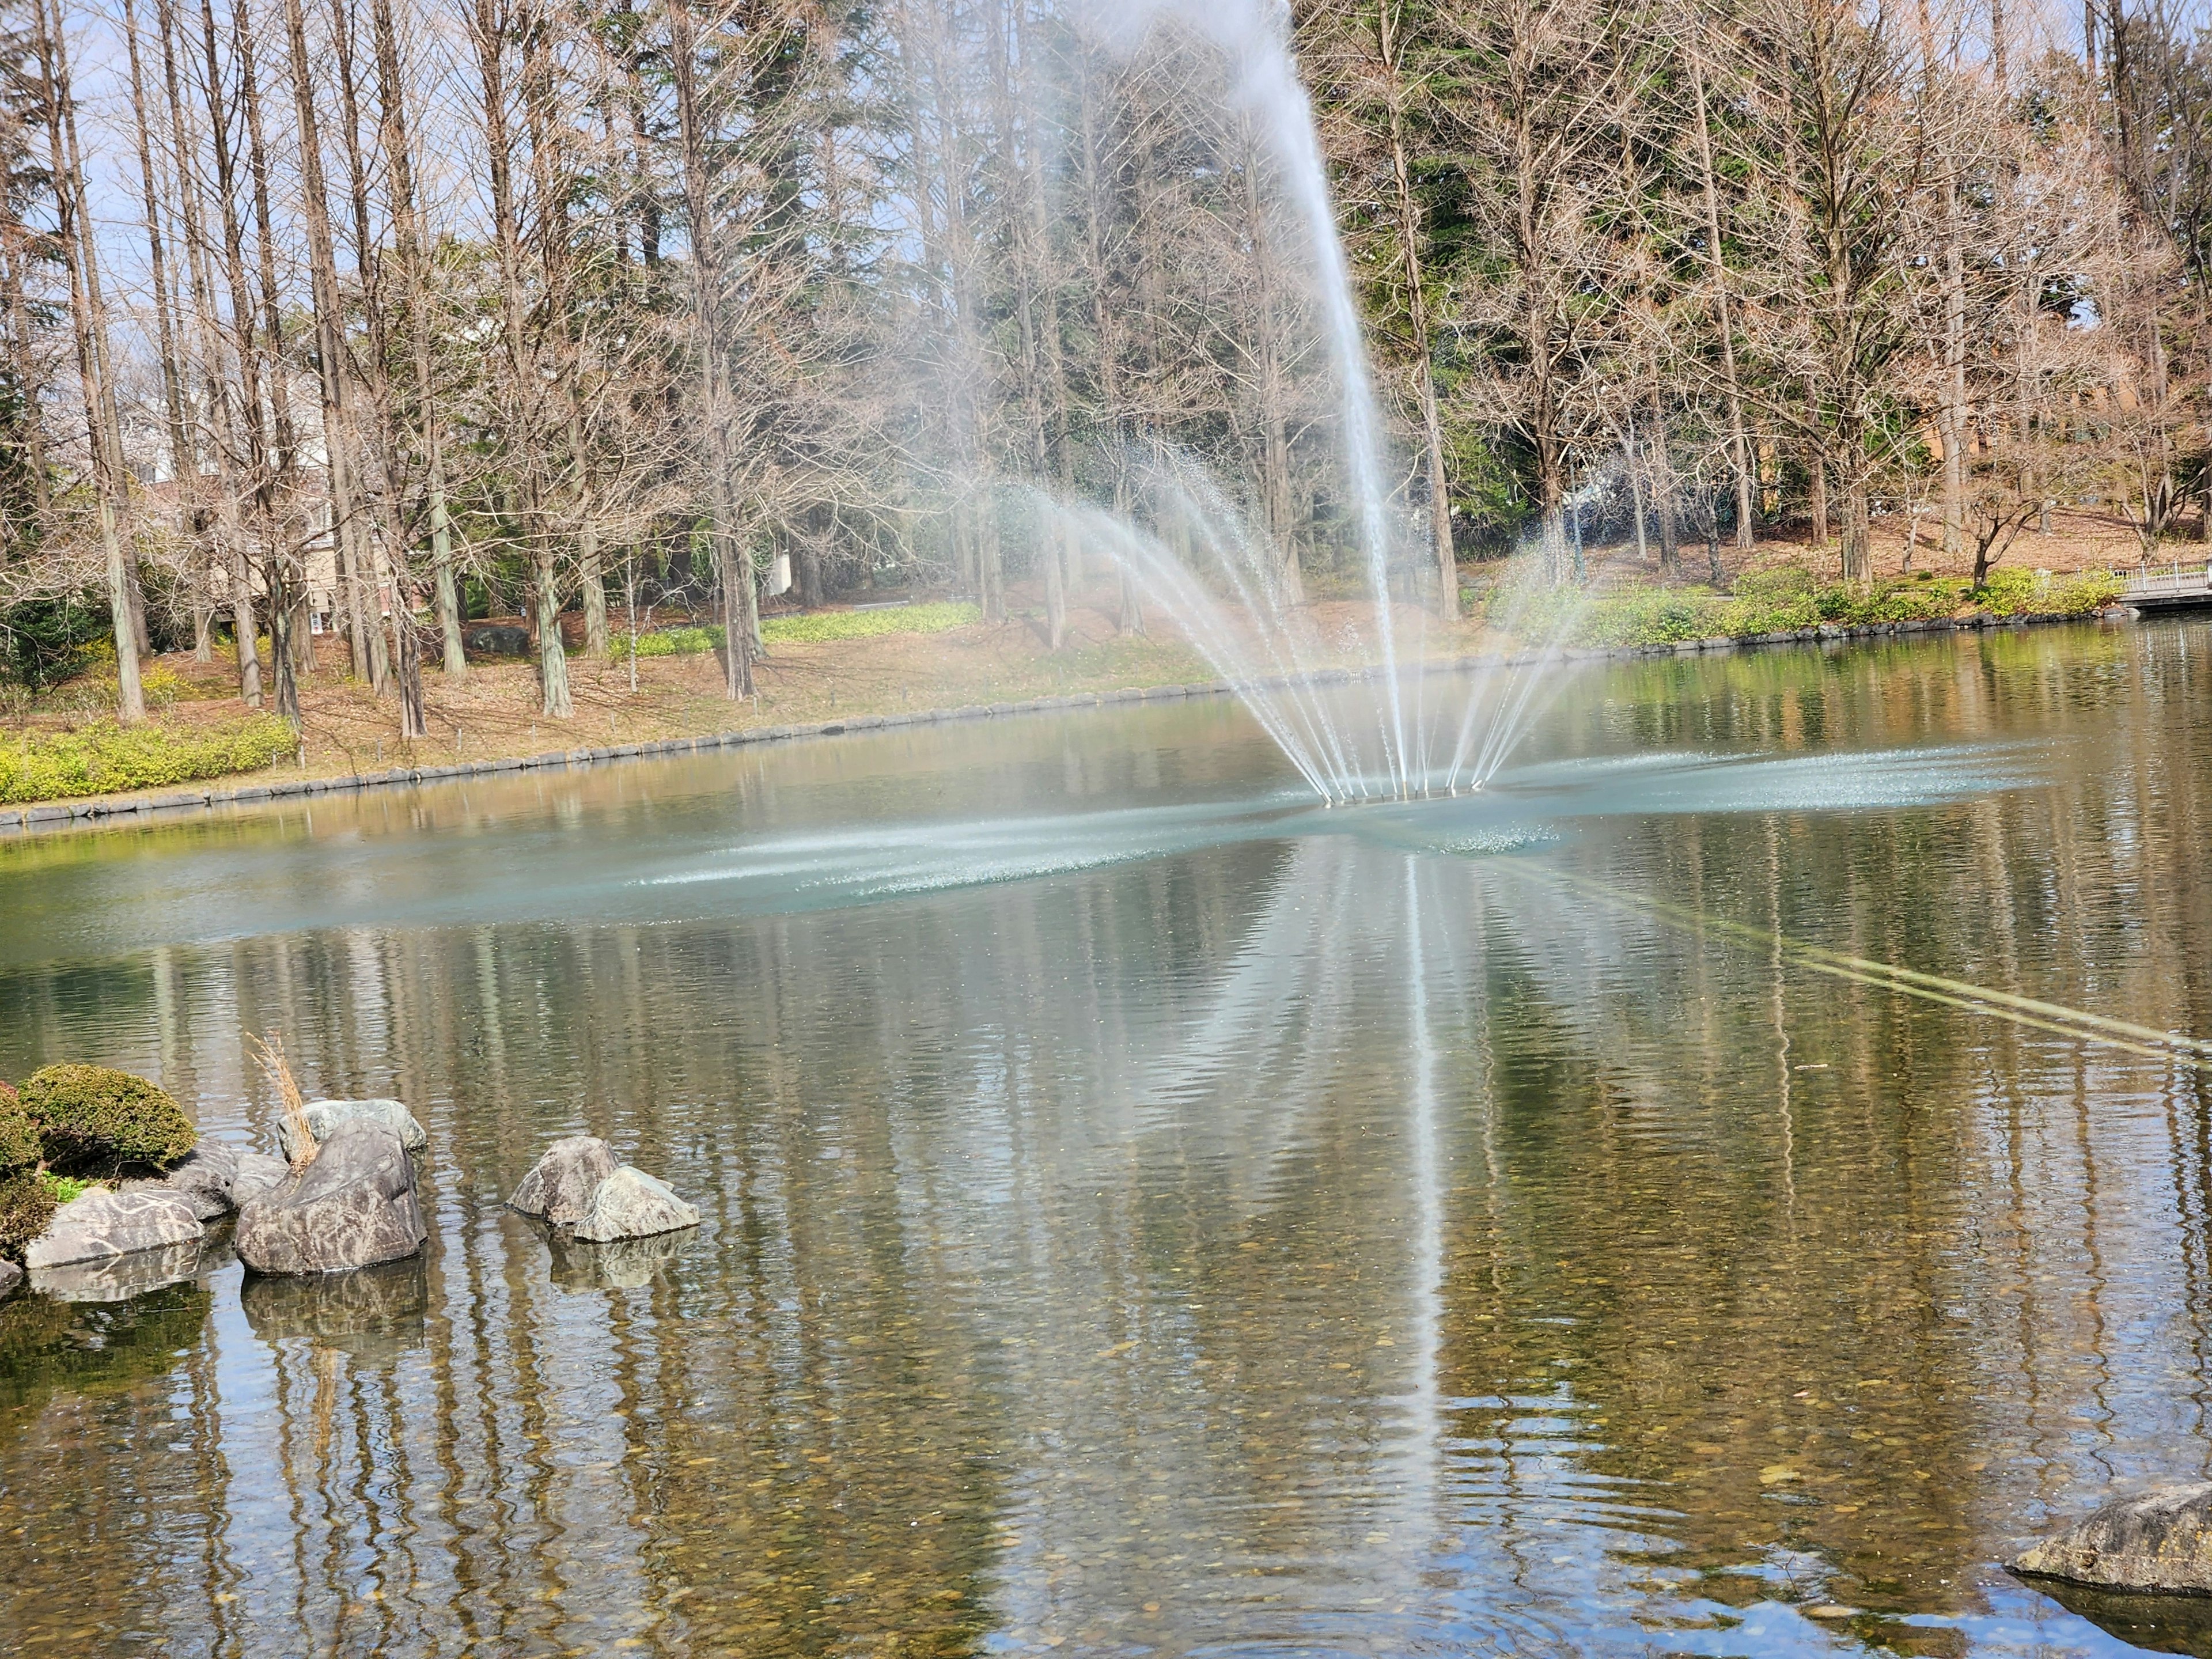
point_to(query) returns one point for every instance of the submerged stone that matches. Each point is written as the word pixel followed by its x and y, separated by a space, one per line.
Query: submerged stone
pixel 102 1223
pixel 631 1204
pixel 323 1117
pixel 354 1207
pixel 10 1277
pixel 2160 1540
pixel 561 1185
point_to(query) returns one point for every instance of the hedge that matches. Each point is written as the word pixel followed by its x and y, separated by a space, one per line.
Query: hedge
pixel 104 757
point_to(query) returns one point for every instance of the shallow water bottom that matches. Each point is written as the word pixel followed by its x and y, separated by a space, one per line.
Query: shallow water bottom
pixel 1145 1214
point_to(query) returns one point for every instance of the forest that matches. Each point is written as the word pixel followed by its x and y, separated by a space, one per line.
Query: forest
pixel 379 315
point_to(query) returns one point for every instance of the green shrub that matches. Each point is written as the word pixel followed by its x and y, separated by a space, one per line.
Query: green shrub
pixel 670 642
pixel 104 757
pixel 2011 591
pixel 95 1120
pixel 18 1136
pixel 44 642
pixel 25 1206
pixel 810 626
pixel 65 1188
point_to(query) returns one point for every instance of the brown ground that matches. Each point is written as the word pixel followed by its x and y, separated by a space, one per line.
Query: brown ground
pixel 2080 539
pixel 492 712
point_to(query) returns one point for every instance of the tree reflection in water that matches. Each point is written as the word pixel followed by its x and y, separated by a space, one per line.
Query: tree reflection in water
pixel 1405 1237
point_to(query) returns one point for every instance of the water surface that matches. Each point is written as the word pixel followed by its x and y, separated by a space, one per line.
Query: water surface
pixel 1148 1214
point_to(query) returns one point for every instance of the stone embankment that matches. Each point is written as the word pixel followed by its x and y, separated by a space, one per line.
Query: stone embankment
pixel 97 810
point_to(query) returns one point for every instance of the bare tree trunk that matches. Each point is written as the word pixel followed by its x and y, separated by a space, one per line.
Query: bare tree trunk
pixel 399 163
pixel 1817 463
pixel 1389 43
pixel 289 638
pixel 1666 498
pixel 1954 371
pixel 1739 442
pixel 329 348
pixel 88 313
pixel 1037 313
pixel 381 538
pixel 592 580
pixel 1103 318
pixel 184 460
pixel 733 561
pixel 223 439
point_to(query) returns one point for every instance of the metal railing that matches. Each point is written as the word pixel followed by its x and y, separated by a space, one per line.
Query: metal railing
pixel 2173 579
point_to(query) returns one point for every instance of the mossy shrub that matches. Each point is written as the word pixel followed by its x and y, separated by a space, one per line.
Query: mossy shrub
pixel 18 1136
pixel 25 1206
pixel 95 1120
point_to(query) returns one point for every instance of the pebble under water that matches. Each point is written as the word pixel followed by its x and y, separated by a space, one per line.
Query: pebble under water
pixel 1149 1214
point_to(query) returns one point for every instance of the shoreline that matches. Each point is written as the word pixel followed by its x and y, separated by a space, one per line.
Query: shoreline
pixel 94 810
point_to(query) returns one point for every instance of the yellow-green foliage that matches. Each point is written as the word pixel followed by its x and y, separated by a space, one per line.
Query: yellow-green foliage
pixel 95 1120
pixel 806 627
pixel 25 1206
pixel 2014 592
pixel 99 759
pixel 18 1136
pixel 1782 599
pixel 812 625
pixel 670 642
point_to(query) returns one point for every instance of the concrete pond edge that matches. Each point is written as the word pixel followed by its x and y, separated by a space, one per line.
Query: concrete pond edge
pixel 96 811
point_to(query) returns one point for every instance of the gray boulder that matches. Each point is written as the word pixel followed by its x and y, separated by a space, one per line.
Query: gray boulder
pixel 631 1204
pixel 203 1180
pixel 354 1207
pixel 560 1185
pixel 10 1277
pixel 120 1278
pixel 102 1223
pixel 2160 1540
pixel 258 1175
pixel 323 1117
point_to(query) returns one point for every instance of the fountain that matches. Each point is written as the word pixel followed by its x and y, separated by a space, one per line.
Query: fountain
pixel 1397 732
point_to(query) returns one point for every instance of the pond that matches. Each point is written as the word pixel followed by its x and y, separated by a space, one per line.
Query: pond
pixel 1147 1213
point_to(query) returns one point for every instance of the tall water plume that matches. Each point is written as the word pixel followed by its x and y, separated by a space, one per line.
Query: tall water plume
pixel 1386 736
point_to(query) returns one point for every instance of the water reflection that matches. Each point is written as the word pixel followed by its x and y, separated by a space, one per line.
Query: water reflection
pixel 1337 1239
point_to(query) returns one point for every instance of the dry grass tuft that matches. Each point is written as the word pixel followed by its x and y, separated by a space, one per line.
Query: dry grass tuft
pixel 270 1053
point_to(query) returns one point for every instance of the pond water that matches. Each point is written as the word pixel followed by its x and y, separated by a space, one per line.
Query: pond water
pixel 1148 1214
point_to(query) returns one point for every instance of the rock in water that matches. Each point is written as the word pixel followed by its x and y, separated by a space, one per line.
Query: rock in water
pixel 2160 1540
pixel 204 1180
pixel 10 1277
pixel 560 1187
pixel 100 1224
pixel 631 1204
pixel 354 1207
pixel 323 1117
pixel 258 1176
